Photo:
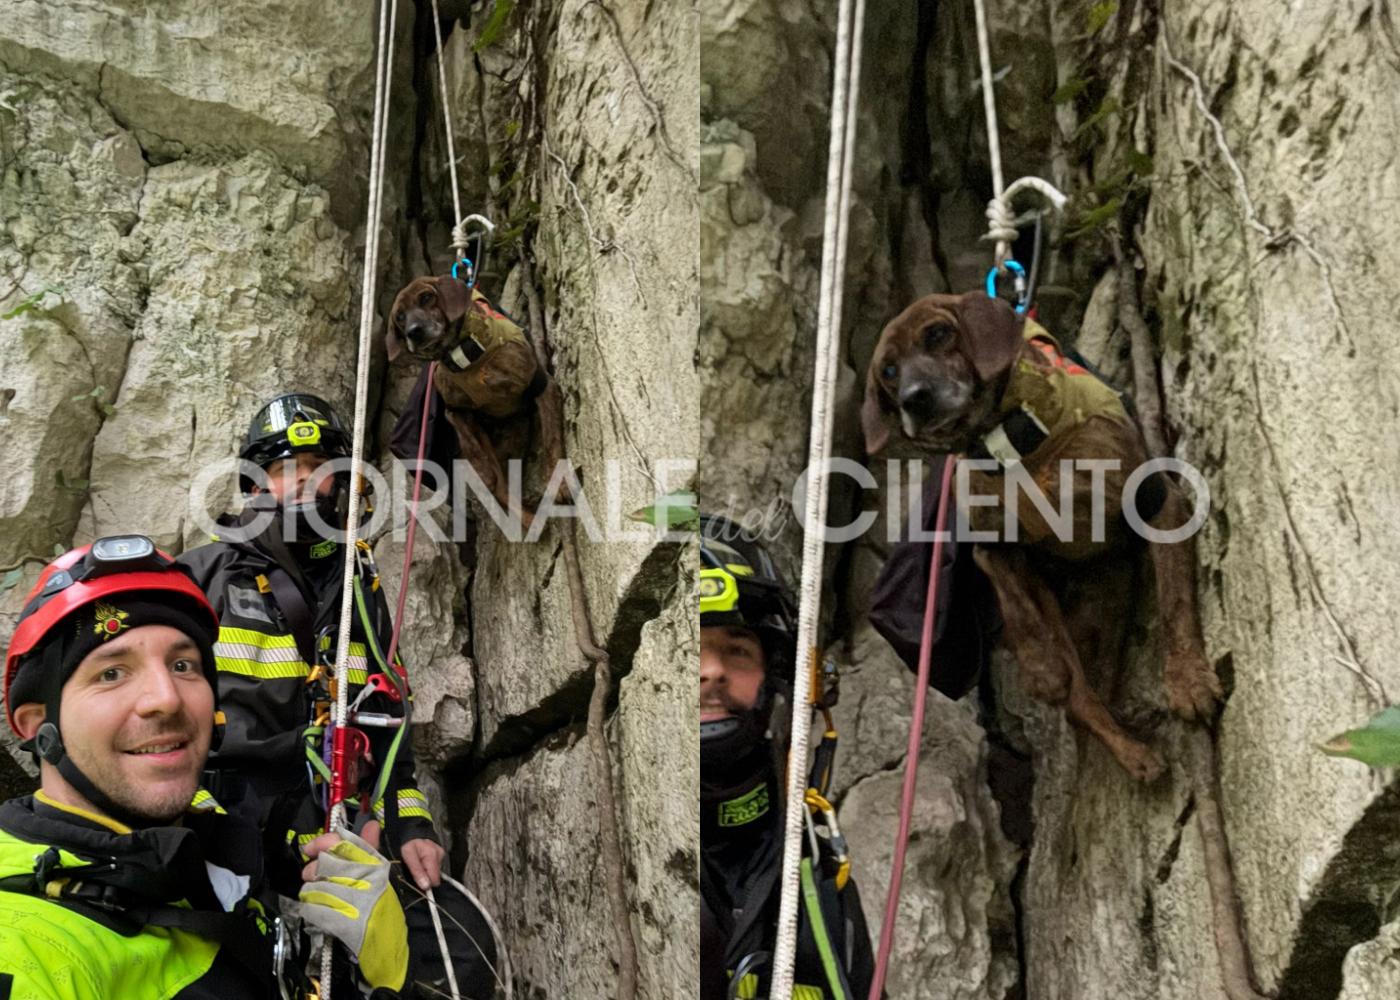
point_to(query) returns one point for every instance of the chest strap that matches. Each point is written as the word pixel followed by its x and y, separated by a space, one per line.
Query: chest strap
pixel 1012 440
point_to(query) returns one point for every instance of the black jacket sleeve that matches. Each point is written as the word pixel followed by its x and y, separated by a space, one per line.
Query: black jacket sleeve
pixel 966 619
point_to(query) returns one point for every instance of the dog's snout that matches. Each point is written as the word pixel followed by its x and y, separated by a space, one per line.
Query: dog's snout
pixel 918 400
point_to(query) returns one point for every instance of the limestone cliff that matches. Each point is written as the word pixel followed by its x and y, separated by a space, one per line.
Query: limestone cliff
pixel 182 194
pixel 1241 156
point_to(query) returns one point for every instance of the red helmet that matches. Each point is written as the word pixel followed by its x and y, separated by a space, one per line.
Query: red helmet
pixel 113 565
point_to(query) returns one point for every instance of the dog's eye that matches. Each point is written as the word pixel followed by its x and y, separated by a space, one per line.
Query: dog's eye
pixel 937 334
pixel 400 318
pixel 889 371
pixel 426 299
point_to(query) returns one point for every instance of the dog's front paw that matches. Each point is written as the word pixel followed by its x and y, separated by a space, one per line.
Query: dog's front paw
pixel 1140 761
pixel 1193 689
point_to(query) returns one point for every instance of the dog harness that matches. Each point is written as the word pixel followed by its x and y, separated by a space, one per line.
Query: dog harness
pixel 1048 394
pixel 482 329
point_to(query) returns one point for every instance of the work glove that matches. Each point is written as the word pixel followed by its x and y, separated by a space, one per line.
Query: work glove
pixel 352 901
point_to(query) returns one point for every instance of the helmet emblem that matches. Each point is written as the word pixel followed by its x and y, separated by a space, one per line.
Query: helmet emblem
pixel 110 620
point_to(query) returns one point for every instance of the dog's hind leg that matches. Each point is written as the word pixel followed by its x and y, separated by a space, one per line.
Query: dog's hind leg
pixel 1046 673
pixel 475 446
pixel 1050 667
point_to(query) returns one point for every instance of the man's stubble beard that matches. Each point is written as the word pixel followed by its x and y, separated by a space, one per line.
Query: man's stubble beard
pixel 161 807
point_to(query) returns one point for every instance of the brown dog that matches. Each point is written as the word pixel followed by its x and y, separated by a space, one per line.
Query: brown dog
pixel 966 375
pixel 488 376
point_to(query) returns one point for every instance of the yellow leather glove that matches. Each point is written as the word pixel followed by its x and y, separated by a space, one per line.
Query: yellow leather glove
pixel 352 901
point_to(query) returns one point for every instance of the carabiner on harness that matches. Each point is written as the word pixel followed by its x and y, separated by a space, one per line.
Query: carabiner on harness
pixel 1018 276
pixel 836 842
pixel 479 251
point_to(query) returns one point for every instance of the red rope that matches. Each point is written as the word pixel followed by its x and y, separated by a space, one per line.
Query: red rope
pixel 916 729
pixel 412 514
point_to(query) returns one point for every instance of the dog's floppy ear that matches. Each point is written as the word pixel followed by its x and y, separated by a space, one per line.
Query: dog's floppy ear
pixel 991 333
pixel 872 416
pixel 391 338
pixel 455 296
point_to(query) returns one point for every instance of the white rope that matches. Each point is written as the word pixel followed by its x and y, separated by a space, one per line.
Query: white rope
pixel 461 238
pixel 1001 225
pixel 388 19
pixel 844 100
pixel 505 975
pixel 437 922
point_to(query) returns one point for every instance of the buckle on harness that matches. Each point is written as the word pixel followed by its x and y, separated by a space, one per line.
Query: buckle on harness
pixel 1030 433
pixel 461 357
pixel 840 853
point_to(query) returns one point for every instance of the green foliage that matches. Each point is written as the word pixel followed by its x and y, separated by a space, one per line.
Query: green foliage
pixel 11 578
pixel 106 409
pixel 1140 163
pixel 499 16
pixel 31 303
pixel 1108 106
pixel 683 515
pixel 511 129
pixel 10 98
pixel 1377 744
pixel 65 483
pixel 515 226
pixel 1095 218
pixel 1100 14
pixel 1067 92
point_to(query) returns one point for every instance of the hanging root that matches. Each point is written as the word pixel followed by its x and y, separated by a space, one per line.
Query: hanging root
pixel 1227 919
pixel 1202 764
pixel 611 836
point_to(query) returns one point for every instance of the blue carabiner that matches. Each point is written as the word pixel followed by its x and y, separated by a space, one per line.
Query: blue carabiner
pixel 1018 274
pixel 471 275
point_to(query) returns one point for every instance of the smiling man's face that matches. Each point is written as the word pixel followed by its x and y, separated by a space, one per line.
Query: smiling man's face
pixel 136 717
pixel 731 671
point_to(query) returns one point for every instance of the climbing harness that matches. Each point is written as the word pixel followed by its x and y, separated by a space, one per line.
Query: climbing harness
pixel 841 153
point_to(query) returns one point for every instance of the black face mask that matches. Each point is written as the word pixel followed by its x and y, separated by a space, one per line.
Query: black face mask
pixel 740 792
pixel 309 522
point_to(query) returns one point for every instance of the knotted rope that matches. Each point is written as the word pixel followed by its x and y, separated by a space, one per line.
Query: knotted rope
pixel 1001 220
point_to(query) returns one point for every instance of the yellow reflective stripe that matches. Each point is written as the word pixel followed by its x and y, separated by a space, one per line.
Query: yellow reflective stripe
pixel 411 802
pixel 302 840
pixel 252 637
pixel 263 654
pixel 262 671
pixel 748 989
pixel 203 802
pixel 258 654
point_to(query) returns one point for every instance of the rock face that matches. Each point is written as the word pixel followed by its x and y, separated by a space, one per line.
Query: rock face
pixel 1250 253
pixel 181 231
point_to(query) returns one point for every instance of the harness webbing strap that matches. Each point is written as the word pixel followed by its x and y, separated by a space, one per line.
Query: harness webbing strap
pixel 811 900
